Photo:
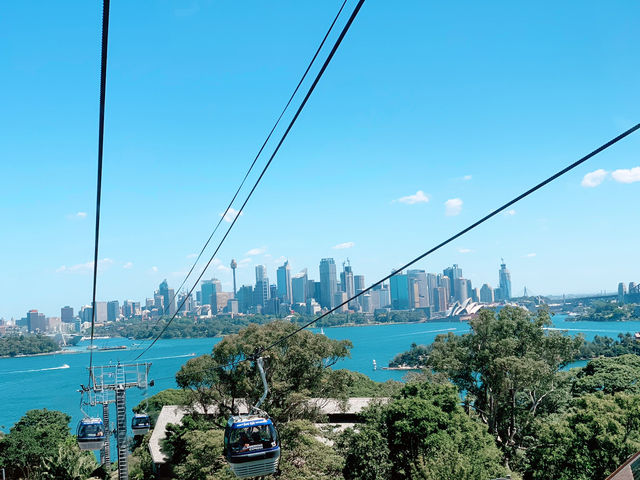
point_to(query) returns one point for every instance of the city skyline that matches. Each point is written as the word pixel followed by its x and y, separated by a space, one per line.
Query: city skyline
pixel 408 138
pixel 486 291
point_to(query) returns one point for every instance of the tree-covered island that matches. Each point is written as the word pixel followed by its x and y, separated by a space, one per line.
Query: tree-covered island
pixel 14 345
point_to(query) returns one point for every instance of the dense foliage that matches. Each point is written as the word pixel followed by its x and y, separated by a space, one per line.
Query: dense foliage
pixel 13 345
pixel 609 312
pixel 415 357
pixel 508 366
pixel 422 433
pixel 40 447
pixel 608 347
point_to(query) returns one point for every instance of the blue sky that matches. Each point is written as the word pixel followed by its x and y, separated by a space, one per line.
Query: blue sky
pixel 425 103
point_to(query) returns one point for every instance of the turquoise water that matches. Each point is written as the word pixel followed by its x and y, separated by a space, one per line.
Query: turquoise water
pixel 46 381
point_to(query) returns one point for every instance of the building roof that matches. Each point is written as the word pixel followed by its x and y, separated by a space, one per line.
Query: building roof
pixel 629 470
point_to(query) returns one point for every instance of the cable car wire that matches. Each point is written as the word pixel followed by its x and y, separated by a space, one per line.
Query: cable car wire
pixel 259 352
pixel 235 195
pixel 266 167
pixel 103 89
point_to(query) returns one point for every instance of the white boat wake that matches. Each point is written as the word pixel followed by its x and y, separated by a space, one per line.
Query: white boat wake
pixel 426 331
pixel 61 367
pixel 174 356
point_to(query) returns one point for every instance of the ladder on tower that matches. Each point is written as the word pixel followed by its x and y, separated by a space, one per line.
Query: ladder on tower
pixel 121 423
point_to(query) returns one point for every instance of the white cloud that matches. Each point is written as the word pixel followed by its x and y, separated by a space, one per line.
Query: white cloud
pixel 84 267
pixel 244 262
pixel 452 207
pixel 626 175
pixel 154 269
pixel 595 178
pixel 467 177
pixel 256 251
pixel 418 197
pixel 510 213
pixel 530 255
pixel 230 215
pixel 128 265
pixel 223 268
pixel 342 246
pixel 192 255
pixel 465 250
pixel 81 214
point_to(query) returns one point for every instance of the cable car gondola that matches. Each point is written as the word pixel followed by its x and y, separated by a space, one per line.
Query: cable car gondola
pixel 140 424
pixel 90 434
pixel 251 442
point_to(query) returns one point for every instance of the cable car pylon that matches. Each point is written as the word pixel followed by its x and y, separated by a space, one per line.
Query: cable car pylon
pixel 109 385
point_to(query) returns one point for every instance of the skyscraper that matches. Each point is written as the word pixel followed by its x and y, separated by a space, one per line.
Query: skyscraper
pixel 208 290
pixel 460 287
pixel 284 283
pixel 348 284
pixel 486 294
pixel 169 298
pixel 452 273
pixel 66 314
pixel 358 283
pixel 622 291
pixel 399 291
pixel 113 310
pixel 505 282
pixel 299 287
pixel 418 288
pixel 262 292
pixel 328 282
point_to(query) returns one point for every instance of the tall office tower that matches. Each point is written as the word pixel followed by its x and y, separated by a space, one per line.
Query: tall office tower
pixel 127 309
pixel 208 290
pixel 497 294
pixel 475 294
pixel 432 283
pixel 261 292
pixel 136 309
pixel 234 265
pixel 169 297
pixel 358 283
pixel 486 294
pixel 283 276
pixel 453 273
pixel 441 299
pixel 158 301
pixel 217 290
pixel 328 282
pixel 113 310
pixel 419 298
pixel 399 291
pixel 101 312
pixel 66 314
pixel 445 282
pixel 505 282
pixel 311 289
pixel 36 321
pixel 149 303
pixel 460 287
pixel 348 284
pixel 245 298
pixel 186 303
pixel 338 299
pixel 622 291
pixel 299 287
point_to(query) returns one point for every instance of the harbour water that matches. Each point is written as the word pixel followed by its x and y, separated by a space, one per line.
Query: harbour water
pixel 53 381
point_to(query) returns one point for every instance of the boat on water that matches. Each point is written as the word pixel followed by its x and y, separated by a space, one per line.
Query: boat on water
pixel 114 347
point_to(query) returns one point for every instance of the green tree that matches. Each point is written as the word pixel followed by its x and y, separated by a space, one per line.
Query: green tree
pixel 589 441
pixel 423 433
pixel 40 446
pixel 296 370
pixel 609 375
pixel 508 366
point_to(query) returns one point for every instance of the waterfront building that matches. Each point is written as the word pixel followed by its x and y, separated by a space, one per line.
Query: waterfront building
pixel 66 314
pixel 261 292
pixel 461 290
pixel 245 298
pixel 505 282
pixel 36 322
pixel 207 289
pixel 475 294
pixel 186 302
pixel 328 282
pixel 486 294
pixel 340 298
pixel 445 282
pixel 432 283
pixel 283 275
pixel 358 283
pixel 399 291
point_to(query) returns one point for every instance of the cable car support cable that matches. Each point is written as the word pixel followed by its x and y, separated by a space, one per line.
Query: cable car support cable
pixel 264 144
pixel 266 167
